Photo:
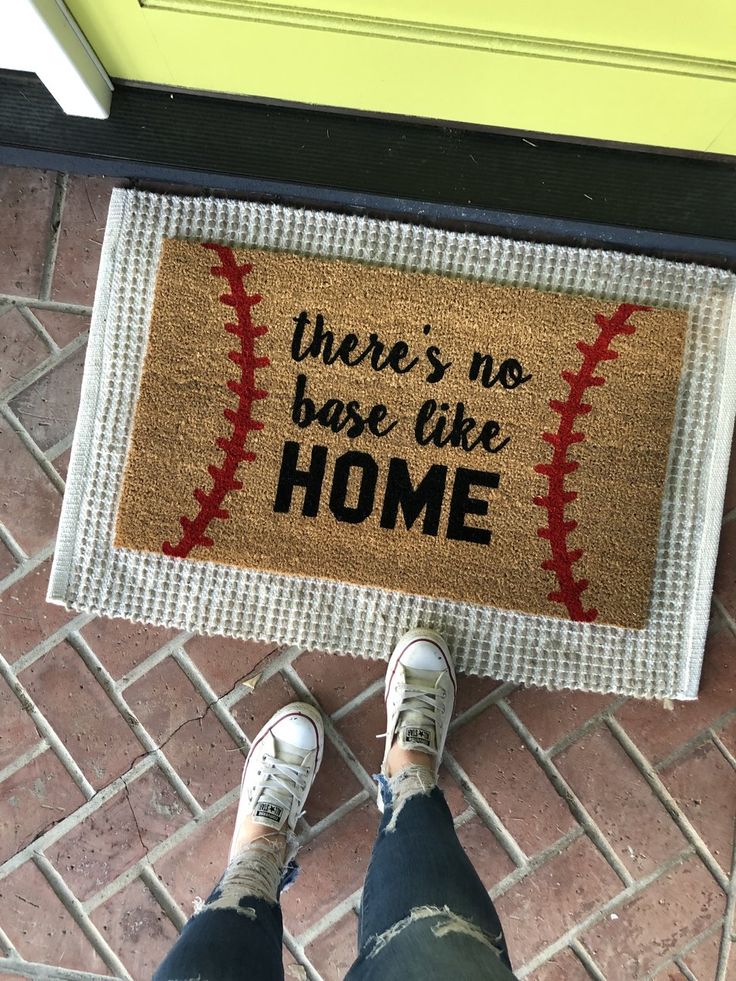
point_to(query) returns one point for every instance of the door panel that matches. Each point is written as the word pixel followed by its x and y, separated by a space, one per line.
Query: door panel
pixel 655 27
pixel 654 74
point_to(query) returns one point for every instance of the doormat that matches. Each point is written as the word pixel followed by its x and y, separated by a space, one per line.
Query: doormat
pixel 322 430
pixel 410 431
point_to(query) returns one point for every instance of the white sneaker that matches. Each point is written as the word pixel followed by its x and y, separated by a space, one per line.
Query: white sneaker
pixel 280 769
pixel 420 694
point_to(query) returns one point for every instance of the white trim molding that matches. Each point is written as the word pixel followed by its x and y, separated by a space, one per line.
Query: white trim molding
pixel 42 36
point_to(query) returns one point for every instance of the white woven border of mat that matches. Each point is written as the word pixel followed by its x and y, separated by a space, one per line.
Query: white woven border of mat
pixel 89 575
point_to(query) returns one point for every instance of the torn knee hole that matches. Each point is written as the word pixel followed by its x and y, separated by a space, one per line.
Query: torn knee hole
pixel 447 922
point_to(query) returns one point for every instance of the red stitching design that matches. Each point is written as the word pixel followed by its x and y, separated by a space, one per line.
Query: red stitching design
pixel 557 529
pixel 241 418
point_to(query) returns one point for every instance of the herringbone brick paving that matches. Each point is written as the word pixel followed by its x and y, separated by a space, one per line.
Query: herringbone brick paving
pixel 602 827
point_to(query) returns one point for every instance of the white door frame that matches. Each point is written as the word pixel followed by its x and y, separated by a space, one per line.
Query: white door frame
pixel 42 36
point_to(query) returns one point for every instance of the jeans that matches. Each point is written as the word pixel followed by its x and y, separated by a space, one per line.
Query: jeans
pixel 424 916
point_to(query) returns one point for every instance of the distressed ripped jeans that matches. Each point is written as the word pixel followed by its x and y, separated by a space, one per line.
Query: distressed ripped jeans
pixel 425 914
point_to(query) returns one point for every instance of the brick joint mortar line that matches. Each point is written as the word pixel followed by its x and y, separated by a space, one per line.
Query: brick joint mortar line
pixel 591 724
pixel 160 850
pixel 728 620
pixel 329 919
pixel 686 948
pixel 576 931
pixel 297 952
pixel 162 897
pixel 63 444
pixel 684 969
pixel 723 749
pixel 354 702
pixel 212 700
pixel 76 911
pixel 536 862
pixel 52 242
pixel 465 817
pixel 336 739
pixel 57 829
pixel 710 732
pixel 148 743
pixel 43 368
pixel 46 972
pixel 492 698
pixel 729 922
pixel 586 959
pixel 675 956
pixel 23 760
pixel 58 306
pixel 221 704
pixel 31 319
pixel 46 730
pixel 33 448
pixel 49 643
pixel 667 800
pixel 11 544
pixel 485 812
pixel 26 566
pixel 7 946
pixel 152 661
pixel 312 831
pixel 561 786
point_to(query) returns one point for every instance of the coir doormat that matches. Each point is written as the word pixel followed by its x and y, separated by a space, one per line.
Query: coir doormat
pixel 411 431
pixel 321 429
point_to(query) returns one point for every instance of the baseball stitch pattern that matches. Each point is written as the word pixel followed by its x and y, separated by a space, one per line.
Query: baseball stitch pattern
pixel 233 446
pixel 557 498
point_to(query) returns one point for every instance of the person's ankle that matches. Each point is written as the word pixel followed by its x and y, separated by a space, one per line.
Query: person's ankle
pixel 250 832
pixel 399 759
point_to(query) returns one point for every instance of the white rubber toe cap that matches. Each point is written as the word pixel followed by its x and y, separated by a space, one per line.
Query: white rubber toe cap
pixel 422 650
pixel 424 655
pixel 297 729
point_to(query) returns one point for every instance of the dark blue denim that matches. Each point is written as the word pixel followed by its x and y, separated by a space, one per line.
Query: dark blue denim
pixel 425 915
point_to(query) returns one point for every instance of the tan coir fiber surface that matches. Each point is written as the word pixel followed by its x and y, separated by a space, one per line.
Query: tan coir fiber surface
pixel 603 515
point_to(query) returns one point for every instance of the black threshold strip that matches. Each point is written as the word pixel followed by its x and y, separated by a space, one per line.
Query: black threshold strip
pixel 676 206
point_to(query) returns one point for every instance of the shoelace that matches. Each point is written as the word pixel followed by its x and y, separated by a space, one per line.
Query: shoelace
pixel 291 777
pixel 420 700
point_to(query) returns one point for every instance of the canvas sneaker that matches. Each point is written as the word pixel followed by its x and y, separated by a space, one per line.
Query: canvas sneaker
pixel 420 693
pixel 280 769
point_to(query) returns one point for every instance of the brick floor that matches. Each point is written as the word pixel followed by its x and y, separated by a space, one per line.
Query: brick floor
pixel 47 408
pixel 604 828
pixel 334 951
pixel 136 928
pixel 20 347
pixel 681 903
pixel 30 504
pixel 564 966
pixel 618 799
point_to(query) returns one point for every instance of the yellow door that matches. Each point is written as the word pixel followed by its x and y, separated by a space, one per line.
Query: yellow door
pixel 658 73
